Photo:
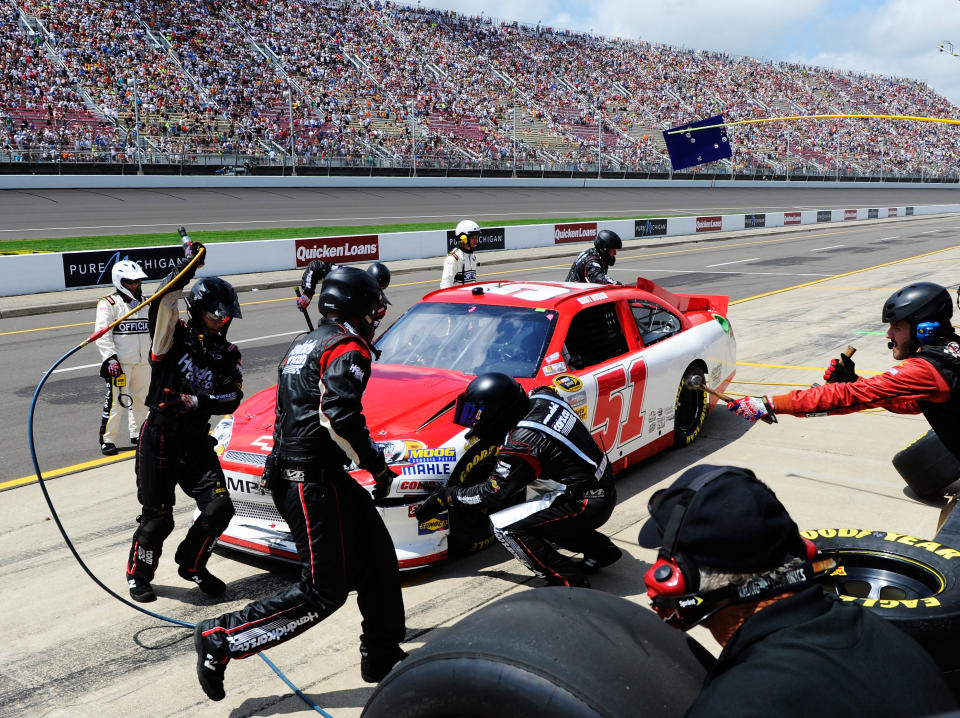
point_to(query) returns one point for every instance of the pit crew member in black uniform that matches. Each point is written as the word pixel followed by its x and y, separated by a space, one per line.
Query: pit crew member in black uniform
pixel 732 558
pixel 341 539
pixel 592 264
pixel 926 381
pixel 125 351
pixel 318 269
pixel 460 265
pixel 196 374
pixel 552 461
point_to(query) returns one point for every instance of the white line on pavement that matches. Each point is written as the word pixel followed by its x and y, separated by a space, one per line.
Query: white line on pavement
pixel 736 261
pixel 832 246
pixel 700 271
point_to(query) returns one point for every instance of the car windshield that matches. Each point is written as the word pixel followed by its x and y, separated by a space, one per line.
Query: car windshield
pixel 470 338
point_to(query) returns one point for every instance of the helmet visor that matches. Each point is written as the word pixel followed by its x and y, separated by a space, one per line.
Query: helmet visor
pixel 465 412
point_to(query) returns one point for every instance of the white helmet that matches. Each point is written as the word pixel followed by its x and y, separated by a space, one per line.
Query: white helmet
pixel 465 229
pixel 126 269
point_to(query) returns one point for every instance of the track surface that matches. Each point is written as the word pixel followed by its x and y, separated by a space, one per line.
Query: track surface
pixel 68 415
pixel 72 213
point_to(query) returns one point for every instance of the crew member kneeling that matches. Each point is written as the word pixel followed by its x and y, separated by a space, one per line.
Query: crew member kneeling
pixel 552 464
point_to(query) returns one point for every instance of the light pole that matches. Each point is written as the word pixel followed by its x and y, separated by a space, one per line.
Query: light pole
pixel 599 138
pixel 413 138
pixel 293 146
pixel 514 129
pixel 881 160
pixel 788 155
pixel 136 115
pixel 837 136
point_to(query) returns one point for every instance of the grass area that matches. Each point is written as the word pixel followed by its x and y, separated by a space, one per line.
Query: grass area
pixel 73 244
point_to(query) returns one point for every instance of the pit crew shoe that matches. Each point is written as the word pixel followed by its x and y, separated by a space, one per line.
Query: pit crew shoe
pixel 374 668
pixel 141 590
pixel 108 449
pixel 211 662
pixel 593 563
pixel 208 583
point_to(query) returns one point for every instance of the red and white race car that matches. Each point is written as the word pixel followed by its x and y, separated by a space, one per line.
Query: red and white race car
pixel 618 355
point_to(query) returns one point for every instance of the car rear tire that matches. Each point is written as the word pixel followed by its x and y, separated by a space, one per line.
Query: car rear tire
pixel 912 582
pixel 927 466
pixel 690 410
pixel 547 653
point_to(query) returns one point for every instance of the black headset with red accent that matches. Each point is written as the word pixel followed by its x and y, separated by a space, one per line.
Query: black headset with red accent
pixel 673 581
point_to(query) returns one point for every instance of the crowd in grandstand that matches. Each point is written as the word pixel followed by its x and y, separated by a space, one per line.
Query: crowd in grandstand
pixel 376 82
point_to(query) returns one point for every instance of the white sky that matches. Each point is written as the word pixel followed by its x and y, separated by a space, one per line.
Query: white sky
pixel 889 37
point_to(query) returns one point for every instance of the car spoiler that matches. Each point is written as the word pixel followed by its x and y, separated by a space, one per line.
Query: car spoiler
pixel 717 303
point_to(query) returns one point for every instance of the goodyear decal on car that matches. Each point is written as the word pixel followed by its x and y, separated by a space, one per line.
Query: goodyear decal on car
pixel 433 525
pixel 567 382
pixel 931 546
pixel 929 602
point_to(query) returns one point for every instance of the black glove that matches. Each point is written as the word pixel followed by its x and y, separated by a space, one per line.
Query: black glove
pixel 175 404
pixel 384 477
pixel 841 370
pixel 438 502
pixel 191 249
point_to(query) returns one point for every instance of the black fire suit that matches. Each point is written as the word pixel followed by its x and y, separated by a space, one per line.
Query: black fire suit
pixel 313 275
pixel 175 445
pixel 341 539
pixel 568 481
pixel 590 266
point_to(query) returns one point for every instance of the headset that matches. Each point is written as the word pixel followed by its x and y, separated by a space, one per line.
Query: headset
pixel 674 579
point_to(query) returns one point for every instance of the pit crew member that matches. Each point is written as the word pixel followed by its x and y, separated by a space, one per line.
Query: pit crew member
pixel 732 558
pixel 550 458
pixel 341 539
pixel 460 265
pixel 592 264
pixel 926 381
pixel 318 269
pixel 195 374
pixel 125 351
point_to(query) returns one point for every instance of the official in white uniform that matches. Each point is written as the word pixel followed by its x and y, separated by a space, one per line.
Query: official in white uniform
pixel 460 265
pixel 126 353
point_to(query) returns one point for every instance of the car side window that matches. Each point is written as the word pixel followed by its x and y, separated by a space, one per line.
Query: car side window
pixel 595 335
pixel 655 323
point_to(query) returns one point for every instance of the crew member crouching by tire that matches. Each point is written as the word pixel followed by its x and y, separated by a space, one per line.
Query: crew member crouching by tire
pixel 195 374
pixel 552 462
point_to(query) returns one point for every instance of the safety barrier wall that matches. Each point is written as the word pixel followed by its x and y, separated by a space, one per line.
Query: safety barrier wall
pixel 31 273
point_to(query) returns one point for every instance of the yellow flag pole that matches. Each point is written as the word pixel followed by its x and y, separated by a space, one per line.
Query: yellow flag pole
pixel 911 118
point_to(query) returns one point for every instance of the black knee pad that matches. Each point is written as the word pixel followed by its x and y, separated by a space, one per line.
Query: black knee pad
pixel 216 515
pixel 155 526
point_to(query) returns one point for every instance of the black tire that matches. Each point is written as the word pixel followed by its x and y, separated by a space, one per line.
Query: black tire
pixel 547 653
pixel 690 410
pixel 470 529
pixel 927 466
pixel 912 582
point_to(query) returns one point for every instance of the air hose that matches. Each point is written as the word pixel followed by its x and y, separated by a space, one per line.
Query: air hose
pixel 56 516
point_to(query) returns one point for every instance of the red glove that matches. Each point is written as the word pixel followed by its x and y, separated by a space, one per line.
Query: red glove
pixel 303 301
pixel 751 408
pixel 114 368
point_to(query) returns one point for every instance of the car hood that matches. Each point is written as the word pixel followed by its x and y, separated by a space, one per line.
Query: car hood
pixel 402 399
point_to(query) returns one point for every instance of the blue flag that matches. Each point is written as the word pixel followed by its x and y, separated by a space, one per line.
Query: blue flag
pixel 688 149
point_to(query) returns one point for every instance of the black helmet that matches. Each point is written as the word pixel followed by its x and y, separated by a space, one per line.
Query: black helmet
pixel 354 294
pixel 214 295
pixel 380 272
pixel 605 241
pixel 919 302
pixel 491 405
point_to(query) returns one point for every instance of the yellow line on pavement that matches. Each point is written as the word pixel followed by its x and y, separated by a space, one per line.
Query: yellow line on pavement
pixel 845 274
pixel 32 478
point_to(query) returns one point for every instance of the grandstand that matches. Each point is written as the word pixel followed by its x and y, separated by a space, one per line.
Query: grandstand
pixel 323 83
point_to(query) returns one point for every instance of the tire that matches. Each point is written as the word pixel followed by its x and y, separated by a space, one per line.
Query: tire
pixel 690 410
pixel 912 582
pixel 927 466
pixel 470 529
pixel 547 653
